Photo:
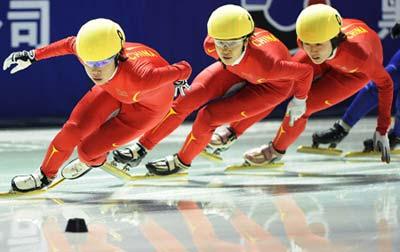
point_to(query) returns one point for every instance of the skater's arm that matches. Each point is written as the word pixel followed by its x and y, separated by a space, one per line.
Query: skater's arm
pixel 146 76
pixel 384 83
pixel 209 48
pixel 59 48
pixel 300 73
pixel 20 60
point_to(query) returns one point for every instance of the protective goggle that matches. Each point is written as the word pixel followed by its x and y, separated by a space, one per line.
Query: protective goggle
pixel 229 43
pixel 100 63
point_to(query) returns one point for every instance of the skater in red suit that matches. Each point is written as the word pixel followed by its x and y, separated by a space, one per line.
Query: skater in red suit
pixel 247 55
pixel 134 88
pixel 345 54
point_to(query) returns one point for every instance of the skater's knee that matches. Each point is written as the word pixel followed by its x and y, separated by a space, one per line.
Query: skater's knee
pixel 84 156
pixel 89 157
pixel 204 117
pixel 204 114
pixel 72 129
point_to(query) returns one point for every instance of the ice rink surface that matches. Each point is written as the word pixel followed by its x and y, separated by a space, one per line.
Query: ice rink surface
pixel 312 203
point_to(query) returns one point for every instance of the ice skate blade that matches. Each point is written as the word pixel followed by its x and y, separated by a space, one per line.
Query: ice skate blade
pixel 125 176
pixel 319 151
pixel 35 192
pixel 247 166
pixel 352 154
pixel 211 156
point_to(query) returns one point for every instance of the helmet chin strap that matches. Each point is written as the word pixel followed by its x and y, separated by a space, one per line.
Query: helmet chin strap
pixel 116 66
pixel 333 54
pixel 115 71
pixel 238 60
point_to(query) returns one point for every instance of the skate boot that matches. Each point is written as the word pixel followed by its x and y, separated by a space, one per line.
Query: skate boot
pixel 221 140
pixel 263 155
pixel 166 166
pixel 75 169
pixel 130 156
pixel 332 136
pixel 393 142
pixel 31 182
pixel 368 145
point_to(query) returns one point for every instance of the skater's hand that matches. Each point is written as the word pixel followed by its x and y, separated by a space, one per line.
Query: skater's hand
pixel 180 87
pixel 395 31
pixel 295 109
pixel 22 59
pixel 381 144
pixel 184 68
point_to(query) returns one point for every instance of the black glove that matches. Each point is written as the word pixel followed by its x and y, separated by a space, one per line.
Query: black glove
pixel 395 31
pixel 180 87
pixel 23 59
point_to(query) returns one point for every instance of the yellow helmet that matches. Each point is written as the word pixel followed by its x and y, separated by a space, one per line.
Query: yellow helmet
pixel 99 39
pixel 318 23
pixel 230 22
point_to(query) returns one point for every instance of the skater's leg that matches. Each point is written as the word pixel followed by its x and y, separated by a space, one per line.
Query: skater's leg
pixel 91 111
pixel 212 82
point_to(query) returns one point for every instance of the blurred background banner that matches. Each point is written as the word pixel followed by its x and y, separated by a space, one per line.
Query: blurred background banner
pixel 45 93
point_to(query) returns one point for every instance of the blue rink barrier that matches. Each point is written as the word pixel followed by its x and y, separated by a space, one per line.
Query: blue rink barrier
pixel 47 91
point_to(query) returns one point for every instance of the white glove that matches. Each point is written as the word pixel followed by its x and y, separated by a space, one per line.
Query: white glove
pixel 180 87
pixel 381 144
pixel 23 59
pixel 295 109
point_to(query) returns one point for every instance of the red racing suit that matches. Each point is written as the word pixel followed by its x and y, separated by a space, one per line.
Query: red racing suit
pixel 133 101
pixel 357 61
pixel 270 77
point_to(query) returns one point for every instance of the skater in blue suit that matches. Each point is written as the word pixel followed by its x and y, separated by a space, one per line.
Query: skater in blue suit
pixel 365 101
